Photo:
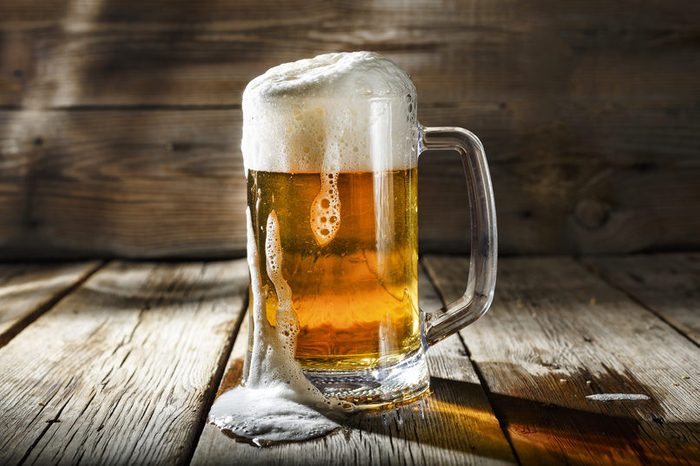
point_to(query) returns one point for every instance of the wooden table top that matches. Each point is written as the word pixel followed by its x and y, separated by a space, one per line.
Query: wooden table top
pixel 119 362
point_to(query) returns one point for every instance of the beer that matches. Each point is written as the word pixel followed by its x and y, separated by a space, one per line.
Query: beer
pixel 330 147
pixel 348 242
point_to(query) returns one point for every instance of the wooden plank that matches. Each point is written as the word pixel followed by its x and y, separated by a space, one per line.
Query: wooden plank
pixel 454 426
pixel 33 14
pixel 27 290
pixel 578 204
pixel 154 183
pixel 668 284
pixel 556 334
pixel 17 14
pixel 120 371
pixel 138 184
pixel 99 52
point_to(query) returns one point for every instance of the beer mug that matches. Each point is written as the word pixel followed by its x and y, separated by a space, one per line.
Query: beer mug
pixel 331 147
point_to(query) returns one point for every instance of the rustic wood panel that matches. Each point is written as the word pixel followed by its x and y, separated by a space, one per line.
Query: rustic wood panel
pixel 556 334
pixel 27 290
pixel 454 426
pixel 101 52
pixel 668 284
pixel 589 111
pixel 138 184
pixel 152 183
pixel 120 370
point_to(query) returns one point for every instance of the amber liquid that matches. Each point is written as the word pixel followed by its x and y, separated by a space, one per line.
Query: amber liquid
pixel 355 291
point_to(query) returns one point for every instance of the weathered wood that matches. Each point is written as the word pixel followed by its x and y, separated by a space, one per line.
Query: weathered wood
pixel 556 334
pixel 102 52
pixel 120 371
pixel 589 114
pixel 27 290
pixel 668 284
pixel 170 183
pixel 454 426
pixel 139 184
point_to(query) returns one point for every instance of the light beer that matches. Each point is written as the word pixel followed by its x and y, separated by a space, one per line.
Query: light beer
pixel 349 255
pixel 330 147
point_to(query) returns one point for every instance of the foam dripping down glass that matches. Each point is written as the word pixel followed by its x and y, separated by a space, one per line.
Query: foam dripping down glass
pixel 330 147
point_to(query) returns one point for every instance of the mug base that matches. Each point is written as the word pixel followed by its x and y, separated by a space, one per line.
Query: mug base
pixel 376 388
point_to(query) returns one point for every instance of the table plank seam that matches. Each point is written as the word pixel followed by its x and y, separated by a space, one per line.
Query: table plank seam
pixel 489 396
pixel 210 393
pixel 482 380
pixel 631 296
pixel 27 320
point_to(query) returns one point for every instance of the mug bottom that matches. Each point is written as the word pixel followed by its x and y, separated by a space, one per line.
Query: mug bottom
pixel 376 388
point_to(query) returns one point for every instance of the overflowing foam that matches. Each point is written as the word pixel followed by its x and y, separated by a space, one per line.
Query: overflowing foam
pixel 335 112
pixel 276 402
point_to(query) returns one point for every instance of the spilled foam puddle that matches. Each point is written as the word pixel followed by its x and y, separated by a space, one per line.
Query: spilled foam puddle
pixel 269 415
pixel 276 403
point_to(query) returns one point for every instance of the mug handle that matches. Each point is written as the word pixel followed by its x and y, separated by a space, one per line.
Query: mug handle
pixel 481 281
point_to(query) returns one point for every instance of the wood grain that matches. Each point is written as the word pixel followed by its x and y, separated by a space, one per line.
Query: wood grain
pixel 556 333
pixel 454 426
pixel 138 184
pixel 120 370
pixel 588 110
pixel 155 183
pixel 116 52
pixel 668 284
pixel 27 290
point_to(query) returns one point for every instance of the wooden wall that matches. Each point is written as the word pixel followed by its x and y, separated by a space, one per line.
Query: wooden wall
pixel 120 119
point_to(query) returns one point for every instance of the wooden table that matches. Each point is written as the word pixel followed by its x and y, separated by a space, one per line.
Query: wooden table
pixel 116 363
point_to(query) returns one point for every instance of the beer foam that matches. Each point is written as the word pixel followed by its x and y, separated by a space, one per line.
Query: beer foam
pixel 276 402
pixel 335 112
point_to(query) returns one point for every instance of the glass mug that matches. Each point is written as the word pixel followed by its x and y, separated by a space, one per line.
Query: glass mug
pixel 330 147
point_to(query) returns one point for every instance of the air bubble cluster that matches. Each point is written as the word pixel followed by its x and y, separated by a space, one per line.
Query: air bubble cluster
pixel 324 216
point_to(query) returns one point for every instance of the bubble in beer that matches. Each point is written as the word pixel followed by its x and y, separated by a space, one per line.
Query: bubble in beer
pixel 326 206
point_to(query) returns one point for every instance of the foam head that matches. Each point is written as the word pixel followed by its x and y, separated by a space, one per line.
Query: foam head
pixel 331 113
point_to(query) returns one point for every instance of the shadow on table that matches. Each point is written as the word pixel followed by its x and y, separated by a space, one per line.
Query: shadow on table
pixel 547 419
pixel 455 417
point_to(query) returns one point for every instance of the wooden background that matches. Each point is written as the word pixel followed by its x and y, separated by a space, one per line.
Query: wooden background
pixel 120 119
